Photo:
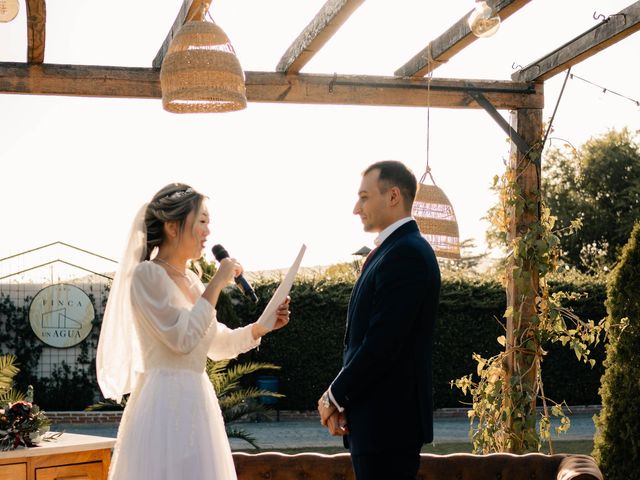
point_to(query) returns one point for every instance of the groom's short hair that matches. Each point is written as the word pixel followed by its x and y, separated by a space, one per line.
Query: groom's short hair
pixel 395 174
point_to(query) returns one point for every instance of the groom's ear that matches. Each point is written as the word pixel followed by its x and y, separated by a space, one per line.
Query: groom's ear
pixel 395 196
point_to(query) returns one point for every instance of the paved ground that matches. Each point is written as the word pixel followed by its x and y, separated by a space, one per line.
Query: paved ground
pixel 308 433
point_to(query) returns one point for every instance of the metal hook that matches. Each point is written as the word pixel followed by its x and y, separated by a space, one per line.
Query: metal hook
pixel 515 66
pixel 599 16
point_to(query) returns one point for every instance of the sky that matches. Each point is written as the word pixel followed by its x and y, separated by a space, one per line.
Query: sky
pixel 76 169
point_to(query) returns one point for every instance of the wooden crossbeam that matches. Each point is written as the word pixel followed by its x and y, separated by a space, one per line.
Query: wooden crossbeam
pixel 326 22
pixel 514 136
pixel 80 80
pixel 273 87
pixel 451 42
pixel 189 10
pixel 385 91
pixel 606 33
pixel 36 23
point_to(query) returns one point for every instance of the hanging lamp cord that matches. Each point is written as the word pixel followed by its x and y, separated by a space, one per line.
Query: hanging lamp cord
pixel 198 10
pixel 429 76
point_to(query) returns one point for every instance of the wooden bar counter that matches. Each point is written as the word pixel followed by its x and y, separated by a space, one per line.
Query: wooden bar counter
pixel 70 456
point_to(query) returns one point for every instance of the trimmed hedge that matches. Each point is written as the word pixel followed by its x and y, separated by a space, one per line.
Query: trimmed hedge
pixel 617 442
pixel 309 350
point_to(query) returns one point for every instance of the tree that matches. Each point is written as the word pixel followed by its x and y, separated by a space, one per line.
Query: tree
pixel 617 442
pixel 344 271
pixel 468 263
pixel 599 186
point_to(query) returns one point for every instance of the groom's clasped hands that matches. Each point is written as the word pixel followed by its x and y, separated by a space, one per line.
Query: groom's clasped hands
pixel 330 417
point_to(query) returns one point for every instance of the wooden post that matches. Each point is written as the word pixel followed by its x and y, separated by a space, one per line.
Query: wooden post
pixel 522 284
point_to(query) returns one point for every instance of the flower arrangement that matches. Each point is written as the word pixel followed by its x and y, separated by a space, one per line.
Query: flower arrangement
pixel 21 424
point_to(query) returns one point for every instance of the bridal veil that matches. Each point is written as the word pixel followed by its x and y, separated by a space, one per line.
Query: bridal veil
pixel 118 358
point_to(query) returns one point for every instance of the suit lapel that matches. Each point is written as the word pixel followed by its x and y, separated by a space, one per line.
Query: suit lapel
pixel 371 265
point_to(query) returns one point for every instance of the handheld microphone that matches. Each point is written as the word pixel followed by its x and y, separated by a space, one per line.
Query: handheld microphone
pixel 220 253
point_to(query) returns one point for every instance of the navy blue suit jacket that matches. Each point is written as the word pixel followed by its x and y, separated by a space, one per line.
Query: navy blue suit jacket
pixel 385 383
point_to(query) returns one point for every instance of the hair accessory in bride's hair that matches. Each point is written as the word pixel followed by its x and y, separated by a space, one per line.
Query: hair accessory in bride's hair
pixel 180 194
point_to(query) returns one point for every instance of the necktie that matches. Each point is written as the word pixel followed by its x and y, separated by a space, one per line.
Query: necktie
pixel 369 257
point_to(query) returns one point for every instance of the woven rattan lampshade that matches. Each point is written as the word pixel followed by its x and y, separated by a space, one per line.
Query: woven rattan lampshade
pixel 201 72
pixel 437 221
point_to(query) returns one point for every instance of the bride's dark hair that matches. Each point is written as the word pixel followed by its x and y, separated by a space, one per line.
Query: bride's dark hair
pixel 172 203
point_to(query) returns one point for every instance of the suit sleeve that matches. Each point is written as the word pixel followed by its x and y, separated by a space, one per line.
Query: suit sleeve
pixel 401 285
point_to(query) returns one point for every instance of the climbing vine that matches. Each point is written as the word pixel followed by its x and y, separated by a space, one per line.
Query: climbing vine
pixel 17 337
pixel 507 388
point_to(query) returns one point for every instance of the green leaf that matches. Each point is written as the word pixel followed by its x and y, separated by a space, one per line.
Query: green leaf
pixel 8 370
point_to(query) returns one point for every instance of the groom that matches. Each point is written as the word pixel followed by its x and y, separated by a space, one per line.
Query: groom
pixel 381 401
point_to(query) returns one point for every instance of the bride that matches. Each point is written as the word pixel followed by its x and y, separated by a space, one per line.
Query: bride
pixel 158 329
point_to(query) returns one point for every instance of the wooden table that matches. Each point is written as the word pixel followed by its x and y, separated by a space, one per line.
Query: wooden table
pixel 70 456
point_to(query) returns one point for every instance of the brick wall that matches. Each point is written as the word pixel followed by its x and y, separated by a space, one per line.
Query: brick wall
pixel 84 417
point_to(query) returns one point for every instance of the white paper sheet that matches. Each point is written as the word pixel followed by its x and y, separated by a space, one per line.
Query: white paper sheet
pixel 268 317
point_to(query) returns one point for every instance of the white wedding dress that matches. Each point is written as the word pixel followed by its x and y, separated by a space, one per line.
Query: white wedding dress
pixel 172 426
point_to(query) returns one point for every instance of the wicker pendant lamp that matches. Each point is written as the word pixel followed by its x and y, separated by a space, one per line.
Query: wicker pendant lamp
pixel 434 213
pixel 436 219
pixel 201 72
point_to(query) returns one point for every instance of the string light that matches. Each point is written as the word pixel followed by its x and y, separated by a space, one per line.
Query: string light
pixel 604 89
pixel 482 21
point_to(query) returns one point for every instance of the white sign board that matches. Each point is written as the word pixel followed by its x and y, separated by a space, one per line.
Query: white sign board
pixel 61 315
pixel 8 10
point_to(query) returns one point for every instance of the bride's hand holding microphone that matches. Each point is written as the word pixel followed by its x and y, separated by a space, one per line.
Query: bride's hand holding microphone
pixel 227 270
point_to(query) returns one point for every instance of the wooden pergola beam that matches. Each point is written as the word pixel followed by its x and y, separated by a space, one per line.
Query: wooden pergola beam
pixel 513 135
pixel 272 87
pixel 79 80
pixel 36 23
pixel 315 35
pixel 523 275
pixel 190 10
pixel 386 91
pixel 606 33
pixel 451 42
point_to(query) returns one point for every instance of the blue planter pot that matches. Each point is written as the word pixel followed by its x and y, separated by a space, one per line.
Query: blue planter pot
pixel 269 383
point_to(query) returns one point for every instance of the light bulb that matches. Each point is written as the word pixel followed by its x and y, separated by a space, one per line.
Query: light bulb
pixel 482 22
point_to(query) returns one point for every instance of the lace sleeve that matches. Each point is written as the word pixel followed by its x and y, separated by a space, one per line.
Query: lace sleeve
pixel 229 343
pixel 179 328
